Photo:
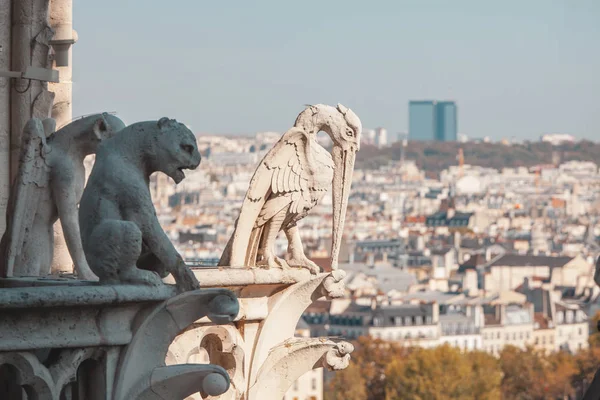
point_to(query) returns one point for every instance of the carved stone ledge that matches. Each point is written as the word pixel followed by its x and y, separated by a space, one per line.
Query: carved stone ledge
pixel 59 340
pixel 72 316
pixel 291 359
pixel 258 349
pixel 230 276
pixel 144 373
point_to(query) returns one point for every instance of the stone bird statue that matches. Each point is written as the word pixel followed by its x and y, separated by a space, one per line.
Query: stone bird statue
pixel 291 179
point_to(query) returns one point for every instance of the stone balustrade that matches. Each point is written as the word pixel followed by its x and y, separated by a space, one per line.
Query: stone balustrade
pixel 63 339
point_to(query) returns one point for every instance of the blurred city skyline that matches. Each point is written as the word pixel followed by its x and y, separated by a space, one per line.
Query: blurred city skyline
pixel 515 69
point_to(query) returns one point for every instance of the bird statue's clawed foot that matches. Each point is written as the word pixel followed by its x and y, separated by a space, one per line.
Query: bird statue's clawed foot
pixel 272 261
pixel 303 262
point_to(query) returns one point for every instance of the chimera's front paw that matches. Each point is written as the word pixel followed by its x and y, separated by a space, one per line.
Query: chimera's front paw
pixel 140 277
pixel 185 279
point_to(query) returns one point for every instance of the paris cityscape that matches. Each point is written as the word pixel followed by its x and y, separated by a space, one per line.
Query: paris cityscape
pixel 341 200
pixel 473 257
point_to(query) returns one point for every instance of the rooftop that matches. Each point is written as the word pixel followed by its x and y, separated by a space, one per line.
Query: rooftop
pixel 515 260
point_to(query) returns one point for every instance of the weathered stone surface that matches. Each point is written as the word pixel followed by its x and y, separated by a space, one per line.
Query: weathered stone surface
pixel 104 342
pixel 142 366
pixel 255 350
pixel 291 179
pixel 49 185
pixel 119 228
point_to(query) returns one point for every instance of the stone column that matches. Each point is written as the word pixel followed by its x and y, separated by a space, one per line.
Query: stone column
pixel 5 46
pixel 61 21
pixel 29 98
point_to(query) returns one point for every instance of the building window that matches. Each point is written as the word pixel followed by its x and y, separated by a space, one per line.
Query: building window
pixel 498 335
pixel 296 386
pixel 314 384
pixel 580 332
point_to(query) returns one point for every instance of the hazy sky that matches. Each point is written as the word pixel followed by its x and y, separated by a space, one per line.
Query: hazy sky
pixel 515 67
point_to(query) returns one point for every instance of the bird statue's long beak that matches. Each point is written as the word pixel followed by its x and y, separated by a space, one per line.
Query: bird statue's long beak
pixel 342 181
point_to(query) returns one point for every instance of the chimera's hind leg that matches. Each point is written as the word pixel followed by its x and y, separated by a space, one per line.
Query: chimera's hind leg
pixel 148 261
pixel 113 250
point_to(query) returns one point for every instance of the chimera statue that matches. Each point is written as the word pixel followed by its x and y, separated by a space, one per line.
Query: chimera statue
pixel 48 186
pixel 121 235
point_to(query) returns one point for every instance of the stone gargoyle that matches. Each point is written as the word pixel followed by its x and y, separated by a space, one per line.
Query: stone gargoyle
pixel 122 238
pixel 291 179
pixel 48 186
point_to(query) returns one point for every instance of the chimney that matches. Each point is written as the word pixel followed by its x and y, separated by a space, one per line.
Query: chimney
pixel 457 240
pixel 371 259
pixel 488 254
pixel 478 316
pixel 435 312
pixel 450 213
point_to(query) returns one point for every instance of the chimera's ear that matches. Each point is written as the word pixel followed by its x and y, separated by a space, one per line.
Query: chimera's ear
pixel 164 121
pixel 341 108
pixel 100 128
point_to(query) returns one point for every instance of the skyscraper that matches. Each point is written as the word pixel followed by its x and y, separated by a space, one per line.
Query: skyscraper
pixel 432 120
pixel 446 121
pixel 421 120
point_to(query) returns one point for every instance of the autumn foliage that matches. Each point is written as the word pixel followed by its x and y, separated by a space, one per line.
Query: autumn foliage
pixel 385 371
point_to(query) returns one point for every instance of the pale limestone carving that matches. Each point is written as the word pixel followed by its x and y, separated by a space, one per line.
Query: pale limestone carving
pixel 291 359
pixel 122 238
pixel 289 182
pixel 338 357
pixel 143 373
pixel 48 186
pixel 258 350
